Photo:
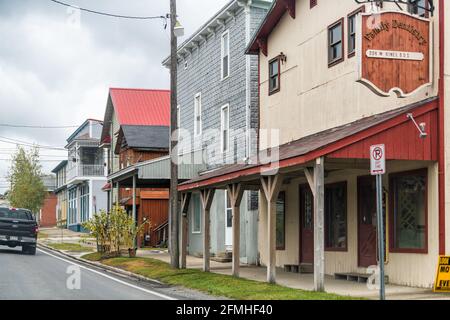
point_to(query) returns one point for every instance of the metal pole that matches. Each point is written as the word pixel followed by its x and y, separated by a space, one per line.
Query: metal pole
pixel 380 234
pixel 135 218
pixel 173 216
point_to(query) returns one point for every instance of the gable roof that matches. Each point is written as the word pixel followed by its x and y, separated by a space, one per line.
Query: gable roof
pixel 276 12
pixel 76 133
pixel 215 22
pixel 144 137
pixel 138 107
pixel 60 166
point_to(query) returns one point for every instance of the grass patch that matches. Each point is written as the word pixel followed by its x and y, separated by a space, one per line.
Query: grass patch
pixel 212 283
pixel 74 247
pixel 42 235
pixel 95 256
pixel 153 249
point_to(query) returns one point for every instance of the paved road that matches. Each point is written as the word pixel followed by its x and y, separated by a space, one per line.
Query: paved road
pixel 45 276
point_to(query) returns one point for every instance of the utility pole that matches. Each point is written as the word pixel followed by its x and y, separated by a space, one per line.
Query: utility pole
pixel 173 215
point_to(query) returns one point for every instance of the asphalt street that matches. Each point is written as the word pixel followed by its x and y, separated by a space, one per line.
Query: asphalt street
pixel 48 276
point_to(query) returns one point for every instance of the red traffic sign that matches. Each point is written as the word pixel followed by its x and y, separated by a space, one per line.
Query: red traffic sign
pixel 377 159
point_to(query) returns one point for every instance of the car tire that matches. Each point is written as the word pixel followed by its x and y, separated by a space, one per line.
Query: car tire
pixel 29 250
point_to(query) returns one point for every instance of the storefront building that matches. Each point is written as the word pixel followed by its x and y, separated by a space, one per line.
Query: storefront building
pixel 335 78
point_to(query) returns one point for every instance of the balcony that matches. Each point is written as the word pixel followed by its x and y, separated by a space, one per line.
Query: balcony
pixel 84 171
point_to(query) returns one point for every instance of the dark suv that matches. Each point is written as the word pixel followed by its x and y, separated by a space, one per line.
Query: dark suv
pixel 18 228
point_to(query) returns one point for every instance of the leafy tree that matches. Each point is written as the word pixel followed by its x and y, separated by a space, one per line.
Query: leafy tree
pixel 27 189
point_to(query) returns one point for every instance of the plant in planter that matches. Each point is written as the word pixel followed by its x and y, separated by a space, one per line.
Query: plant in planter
pixel 98 226
pixel 134 230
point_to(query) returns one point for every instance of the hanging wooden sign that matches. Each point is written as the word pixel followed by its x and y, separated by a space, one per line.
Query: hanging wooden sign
pixel 394 52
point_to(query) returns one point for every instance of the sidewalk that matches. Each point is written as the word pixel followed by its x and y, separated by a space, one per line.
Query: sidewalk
pixel 306 281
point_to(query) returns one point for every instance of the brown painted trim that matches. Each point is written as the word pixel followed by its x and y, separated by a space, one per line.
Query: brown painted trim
pixel 335 249
pixel 333 63
pixel 283 247
pixel 279 75
pixel 301 189
pixel 361 9
pixel 392 247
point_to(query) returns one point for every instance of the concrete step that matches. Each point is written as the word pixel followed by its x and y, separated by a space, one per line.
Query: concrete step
pixel 357 277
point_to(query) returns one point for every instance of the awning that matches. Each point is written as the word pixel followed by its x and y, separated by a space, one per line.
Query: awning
pixel 349 141
pixel 154 173
pixel 107 187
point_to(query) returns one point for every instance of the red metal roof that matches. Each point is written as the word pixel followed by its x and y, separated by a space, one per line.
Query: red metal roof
pixel 141 106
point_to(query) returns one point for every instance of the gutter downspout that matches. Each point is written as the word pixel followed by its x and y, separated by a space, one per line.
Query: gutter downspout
pixel 441 165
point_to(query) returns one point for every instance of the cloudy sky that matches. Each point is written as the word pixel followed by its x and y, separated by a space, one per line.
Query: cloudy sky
pixel 55 69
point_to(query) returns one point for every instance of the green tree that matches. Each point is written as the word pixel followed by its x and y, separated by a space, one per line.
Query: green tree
pixel 27 189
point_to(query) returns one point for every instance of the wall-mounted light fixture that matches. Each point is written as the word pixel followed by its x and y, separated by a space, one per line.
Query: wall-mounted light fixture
pixel 283 57
pixel 421 127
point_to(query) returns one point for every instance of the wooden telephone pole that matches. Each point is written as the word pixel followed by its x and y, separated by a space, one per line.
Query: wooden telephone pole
pixel 173 214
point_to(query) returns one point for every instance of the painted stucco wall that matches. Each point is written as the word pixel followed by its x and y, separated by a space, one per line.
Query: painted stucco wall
pixel 314 97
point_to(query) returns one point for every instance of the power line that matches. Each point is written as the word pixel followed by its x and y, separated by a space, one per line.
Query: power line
pixel 28 144
pixel 110 14
pixel 35 127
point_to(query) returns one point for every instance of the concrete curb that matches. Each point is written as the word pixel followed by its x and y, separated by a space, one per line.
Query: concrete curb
pixel 125 273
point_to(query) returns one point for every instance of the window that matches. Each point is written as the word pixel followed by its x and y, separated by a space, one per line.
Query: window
pixel 274 75
pixel 225 128
pixel 336 217
pixel 281 221
pixel 198 114
pixel 196 214
pixel 335 44
pixel 408 196
pixel 225 54
pixel 72 219
pixel 351 24
pixel 228 211
pixel 418 7
pixel 84 203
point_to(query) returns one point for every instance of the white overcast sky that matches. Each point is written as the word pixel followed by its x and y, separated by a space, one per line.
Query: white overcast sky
pixel 55 72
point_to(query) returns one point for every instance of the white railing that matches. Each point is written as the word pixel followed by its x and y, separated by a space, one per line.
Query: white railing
pixel 86 170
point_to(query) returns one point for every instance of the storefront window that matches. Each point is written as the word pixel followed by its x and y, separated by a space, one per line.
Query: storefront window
pixel 408 193
pixel 197 214
pixel 336 216
pixel 281 225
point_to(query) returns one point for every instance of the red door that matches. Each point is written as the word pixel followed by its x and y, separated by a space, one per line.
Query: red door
pixel 367 221
pixel 306 225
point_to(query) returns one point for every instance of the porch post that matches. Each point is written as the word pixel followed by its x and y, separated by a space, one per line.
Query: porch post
pixel 206 196
pixel 185 200
pixel 235 193
pixel 319 234
pixel 271 186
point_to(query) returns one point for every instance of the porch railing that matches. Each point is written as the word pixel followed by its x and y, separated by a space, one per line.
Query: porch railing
pixel 86 170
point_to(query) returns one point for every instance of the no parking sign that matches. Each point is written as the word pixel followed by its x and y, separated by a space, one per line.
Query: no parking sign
pixel 377 159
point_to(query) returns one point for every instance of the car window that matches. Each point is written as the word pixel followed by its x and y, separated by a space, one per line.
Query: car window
pixel 18 214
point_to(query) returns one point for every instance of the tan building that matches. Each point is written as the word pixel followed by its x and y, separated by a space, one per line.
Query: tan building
pixel 335 78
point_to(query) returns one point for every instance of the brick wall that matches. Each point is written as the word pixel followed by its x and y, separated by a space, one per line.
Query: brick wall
pixel 48 211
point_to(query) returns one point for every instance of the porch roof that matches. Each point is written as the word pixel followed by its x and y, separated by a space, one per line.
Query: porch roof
pixel 349 141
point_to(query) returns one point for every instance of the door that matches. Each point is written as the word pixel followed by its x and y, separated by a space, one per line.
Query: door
pixel 228 223
pixel 367 222
pixel 306 225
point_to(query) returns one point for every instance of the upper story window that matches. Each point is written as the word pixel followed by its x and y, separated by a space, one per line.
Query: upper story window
pixel 198 114
pixel 225 127
pixel 225 61
pixel 351 24
pixel 335 43
pixel 418 7
pixel 274 75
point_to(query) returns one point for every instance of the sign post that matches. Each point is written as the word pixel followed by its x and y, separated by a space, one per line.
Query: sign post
pixel 378 168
